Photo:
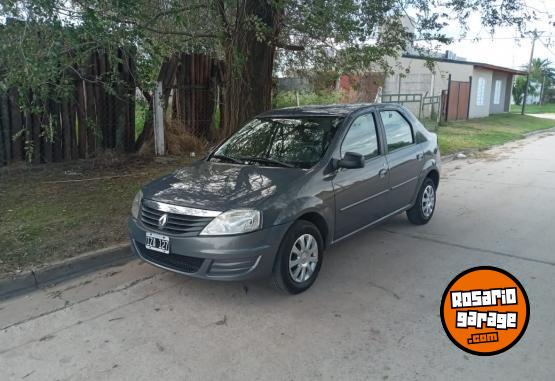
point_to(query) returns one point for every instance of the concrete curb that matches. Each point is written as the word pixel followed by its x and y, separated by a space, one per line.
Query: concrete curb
pixel 538 132
pixel 57 272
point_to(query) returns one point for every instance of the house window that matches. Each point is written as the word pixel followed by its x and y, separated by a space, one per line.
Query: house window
pixel 481 91
pixel 497 92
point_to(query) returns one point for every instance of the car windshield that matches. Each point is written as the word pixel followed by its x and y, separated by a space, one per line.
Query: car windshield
pixel 288 142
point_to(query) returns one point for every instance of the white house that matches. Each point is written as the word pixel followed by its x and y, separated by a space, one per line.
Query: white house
pixel 468 89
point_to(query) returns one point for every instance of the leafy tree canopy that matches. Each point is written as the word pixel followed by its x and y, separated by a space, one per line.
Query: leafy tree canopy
pixel 43 42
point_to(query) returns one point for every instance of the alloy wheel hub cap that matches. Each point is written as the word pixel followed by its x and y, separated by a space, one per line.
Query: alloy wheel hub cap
pixel 303 258
pixel 428 201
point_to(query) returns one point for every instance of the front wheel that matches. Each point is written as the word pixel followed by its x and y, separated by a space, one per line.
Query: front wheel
pixel 423 209
pixel 299 258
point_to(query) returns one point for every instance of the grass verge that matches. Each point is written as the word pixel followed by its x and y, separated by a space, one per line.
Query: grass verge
pixel 534 109
pixel 54 211
pixel 482 133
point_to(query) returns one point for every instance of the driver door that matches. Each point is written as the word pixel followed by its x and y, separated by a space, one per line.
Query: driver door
pixel 361 193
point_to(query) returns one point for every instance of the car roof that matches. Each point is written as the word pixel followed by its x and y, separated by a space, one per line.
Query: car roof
pixel 341 110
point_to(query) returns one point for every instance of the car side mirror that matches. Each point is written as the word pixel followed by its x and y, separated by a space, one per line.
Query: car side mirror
pixel 351 160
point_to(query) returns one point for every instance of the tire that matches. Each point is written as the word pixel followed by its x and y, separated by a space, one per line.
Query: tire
pixel 421 213
pixel 290 279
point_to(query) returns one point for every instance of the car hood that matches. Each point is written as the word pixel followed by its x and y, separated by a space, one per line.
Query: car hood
pixel 221 186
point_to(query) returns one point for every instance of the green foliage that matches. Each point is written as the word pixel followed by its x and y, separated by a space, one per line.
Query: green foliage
pixel 341 35
pixel 141 115
pixel 323 81
pixel 540 69
pixel 518 89
pixel 45 44
pixel 289 98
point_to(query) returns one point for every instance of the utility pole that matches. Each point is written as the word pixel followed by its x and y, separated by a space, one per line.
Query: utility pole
pixel 542 89
pixel 528 75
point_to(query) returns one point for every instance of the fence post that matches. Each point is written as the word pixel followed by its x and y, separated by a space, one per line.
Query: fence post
pixel 378 98
pixel 158 120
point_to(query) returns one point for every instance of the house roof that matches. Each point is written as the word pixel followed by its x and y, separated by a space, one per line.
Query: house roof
pixel 475 64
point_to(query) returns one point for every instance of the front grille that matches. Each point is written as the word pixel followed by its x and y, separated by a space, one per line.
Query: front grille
pixel 172 261
pixel 177 223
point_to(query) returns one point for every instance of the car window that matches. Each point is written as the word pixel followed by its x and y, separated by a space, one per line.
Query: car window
pixel 398 131
pixel 362 137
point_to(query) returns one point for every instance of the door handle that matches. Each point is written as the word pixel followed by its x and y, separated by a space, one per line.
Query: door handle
pixel 383 172
pixel 419 156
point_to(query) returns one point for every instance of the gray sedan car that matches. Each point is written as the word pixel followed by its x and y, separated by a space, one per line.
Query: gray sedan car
pixel 292 182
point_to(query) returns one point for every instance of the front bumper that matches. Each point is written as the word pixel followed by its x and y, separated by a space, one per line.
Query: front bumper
pixel 239 257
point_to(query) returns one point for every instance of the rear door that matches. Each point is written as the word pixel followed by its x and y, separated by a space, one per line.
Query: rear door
pixel 404 157
pixel 360 193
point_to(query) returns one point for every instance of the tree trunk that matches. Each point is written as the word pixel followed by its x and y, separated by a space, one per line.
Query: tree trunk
pixel 247 86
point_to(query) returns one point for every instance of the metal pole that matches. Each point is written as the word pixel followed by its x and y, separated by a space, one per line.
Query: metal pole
pixel 528 75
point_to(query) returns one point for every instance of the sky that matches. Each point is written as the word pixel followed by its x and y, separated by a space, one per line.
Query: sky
pixel 502 48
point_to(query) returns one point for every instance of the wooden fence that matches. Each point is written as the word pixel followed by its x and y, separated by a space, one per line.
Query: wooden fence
pixel 92 120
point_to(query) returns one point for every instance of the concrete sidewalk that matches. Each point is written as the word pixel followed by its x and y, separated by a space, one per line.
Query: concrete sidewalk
pixel 372 314
pixel 543 116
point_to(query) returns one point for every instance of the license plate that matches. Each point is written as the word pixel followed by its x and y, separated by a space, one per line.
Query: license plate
pixel 158 242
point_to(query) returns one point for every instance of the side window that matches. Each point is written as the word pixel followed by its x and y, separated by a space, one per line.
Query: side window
pixel 362 137
pixel 398 131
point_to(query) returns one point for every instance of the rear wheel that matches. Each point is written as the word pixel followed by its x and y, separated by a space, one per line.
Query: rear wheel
pixel 424 207
pixel 299 258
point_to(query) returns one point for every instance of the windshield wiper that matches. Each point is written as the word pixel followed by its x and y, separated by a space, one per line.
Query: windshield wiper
pixel 264 160
pixel 226 158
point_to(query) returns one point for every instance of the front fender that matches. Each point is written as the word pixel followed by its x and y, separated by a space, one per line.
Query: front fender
pixel 287 211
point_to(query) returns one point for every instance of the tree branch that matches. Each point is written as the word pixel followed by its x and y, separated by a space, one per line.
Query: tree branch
pixel 175 11
pixel 172 32
pixel 295 48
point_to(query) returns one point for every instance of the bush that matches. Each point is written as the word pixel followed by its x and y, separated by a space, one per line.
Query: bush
pixel 288 98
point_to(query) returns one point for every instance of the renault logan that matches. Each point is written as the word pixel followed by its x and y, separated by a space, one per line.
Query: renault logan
pixel 292 182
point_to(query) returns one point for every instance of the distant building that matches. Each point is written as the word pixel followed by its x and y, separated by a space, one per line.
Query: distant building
pixel 468 89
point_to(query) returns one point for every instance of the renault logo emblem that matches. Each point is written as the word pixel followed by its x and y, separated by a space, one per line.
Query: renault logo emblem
pixel 162 221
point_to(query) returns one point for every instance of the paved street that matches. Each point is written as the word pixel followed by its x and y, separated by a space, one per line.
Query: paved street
pixel 372 314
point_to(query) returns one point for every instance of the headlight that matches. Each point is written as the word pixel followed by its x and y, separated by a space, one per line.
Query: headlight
pixel 136 206
pixel 236 221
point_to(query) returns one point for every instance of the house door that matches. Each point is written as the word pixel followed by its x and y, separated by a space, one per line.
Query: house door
pixel 458 97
